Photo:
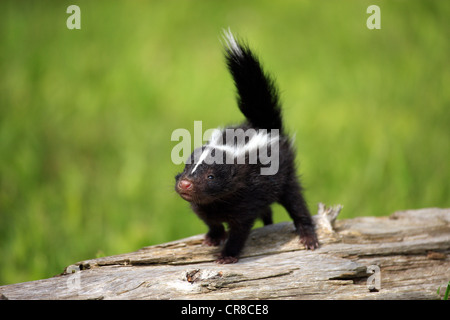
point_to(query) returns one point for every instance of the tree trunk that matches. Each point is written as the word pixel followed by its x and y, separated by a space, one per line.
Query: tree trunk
pixel 403 256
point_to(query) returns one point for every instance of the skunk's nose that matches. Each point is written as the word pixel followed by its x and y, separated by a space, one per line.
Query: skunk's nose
pixel 185 185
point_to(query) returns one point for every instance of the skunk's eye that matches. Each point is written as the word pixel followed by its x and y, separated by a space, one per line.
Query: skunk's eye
pixel 210 177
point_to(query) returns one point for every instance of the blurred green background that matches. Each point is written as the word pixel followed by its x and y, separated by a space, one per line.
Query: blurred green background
pixel 86 115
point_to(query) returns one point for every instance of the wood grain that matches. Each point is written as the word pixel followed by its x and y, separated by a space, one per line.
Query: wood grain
pixel 408 251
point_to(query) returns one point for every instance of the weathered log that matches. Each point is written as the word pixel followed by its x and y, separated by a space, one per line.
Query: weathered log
pixel 403 256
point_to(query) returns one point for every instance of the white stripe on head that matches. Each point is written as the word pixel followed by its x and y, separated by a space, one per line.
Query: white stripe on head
pixel 257 141
pixel 214 140
pixel 202 158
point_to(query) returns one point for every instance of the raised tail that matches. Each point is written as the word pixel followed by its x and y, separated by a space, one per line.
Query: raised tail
pixel 258 97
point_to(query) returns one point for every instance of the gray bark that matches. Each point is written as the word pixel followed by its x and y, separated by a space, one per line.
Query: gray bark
pixel 403 256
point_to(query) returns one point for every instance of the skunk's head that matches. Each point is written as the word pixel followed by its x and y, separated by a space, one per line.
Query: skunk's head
pixel 226 164
pixel 205 181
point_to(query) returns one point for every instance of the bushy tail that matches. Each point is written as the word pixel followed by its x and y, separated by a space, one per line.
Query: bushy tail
pixel 258 96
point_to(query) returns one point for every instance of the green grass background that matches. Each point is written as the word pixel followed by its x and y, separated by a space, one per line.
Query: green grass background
pixel 86 115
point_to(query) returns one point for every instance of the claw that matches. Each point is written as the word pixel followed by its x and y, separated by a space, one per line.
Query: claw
pixel 227 260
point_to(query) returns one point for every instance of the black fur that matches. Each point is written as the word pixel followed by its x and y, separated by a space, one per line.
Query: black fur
pixel 258 97
pixel 237 194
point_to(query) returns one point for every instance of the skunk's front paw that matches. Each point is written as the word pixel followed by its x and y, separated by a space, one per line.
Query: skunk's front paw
pixel 226 259
pixel 310 241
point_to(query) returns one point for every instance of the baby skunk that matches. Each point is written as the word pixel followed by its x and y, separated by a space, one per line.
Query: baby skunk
pixel 223 180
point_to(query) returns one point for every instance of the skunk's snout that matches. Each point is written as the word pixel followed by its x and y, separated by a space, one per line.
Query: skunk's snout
pixel 185 184
pixel 185 189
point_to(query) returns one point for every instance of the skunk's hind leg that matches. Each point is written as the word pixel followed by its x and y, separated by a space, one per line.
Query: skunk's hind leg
pixel 294 203
pixel 266 216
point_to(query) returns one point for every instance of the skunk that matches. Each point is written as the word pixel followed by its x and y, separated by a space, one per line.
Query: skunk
pixel 242 170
